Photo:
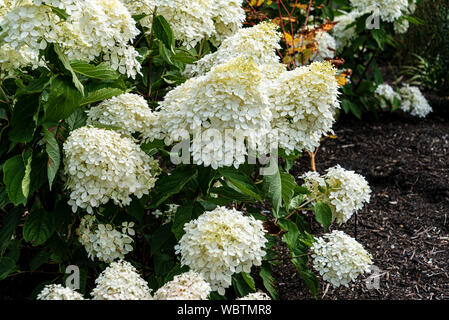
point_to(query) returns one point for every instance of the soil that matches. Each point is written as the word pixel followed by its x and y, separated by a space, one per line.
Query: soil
pixel 406 224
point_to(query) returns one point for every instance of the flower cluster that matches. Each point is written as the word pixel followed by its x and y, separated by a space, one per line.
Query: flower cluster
pixel 256 296
pixel 187 286
pixel 12 60
pixel 193 20
pixel 326 46
pixel 104 241
pixel 228 18
pixel 339 258
pixel 387 95
pixel 258 43
pixel 100 165
pixel 128 112
pixel 345 30
pixel 220 243
pixel 389 10
pixel 229 97
pixel 120 281
pixel 58 292
pixel 92 29
pixel 168 215
pixel 303 103
pixel 344 191
pixel 413 101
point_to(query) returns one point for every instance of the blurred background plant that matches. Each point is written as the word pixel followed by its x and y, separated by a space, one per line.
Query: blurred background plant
pixel 406 44
pixel 424 51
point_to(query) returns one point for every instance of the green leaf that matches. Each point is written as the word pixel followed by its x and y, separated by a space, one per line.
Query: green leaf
pixel 54 156
pixel 63 99
pixel 56 57
pixel 39 259
pixel 169 185
pixel 249 280
pixel 4 200
pixel 13 174
pixel 308 276
pixel 7 265
pixel 288 188
pixel 77 119
pixel 163 32
pixel 10 222
pixel 323 214
pixel 101 72
pixel 292 236
pixel 205 177
pixel 380 36
pixel 3 115
pixel 182 216
pixel 34 86
pixel 23 123
pixel 349 106
pixel 166 54
pixel 240 182
pixel 272 187
pixel 61 13
pixel 269 281
pixel 241 285
pixel 38 227
pixel 229 193
pixel 26 181
pixel 100 95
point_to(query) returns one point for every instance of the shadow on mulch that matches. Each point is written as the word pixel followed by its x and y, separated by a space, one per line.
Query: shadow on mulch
pixel 406 224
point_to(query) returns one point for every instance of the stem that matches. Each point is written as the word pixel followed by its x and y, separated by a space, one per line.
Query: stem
pixel 278 2
pixel 298 209
pixel 365 71
pixel 5 95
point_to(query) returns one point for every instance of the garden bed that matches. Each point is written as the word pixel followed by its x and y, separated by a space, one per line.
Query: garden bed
pixel 406 224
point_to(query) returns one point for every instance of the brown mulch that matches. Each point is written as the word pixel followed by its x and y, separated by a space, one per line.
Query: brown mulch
pixel 406 224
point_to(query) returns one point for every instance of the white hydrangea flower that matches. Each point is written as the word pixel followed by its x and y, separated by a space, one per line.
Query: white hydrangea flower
pixel 386 94
pixel 193 20
pixel 100 165
pixel 187 286
pixel 339 258
pixel 414 102
pixel 326 46
pixel 256 296
pixel 58 292
pixel 220 243
pixel 104 241
pixel 344 191
pixel 12 60
pixel 389 10
pixel 228 18
pixel 304 102
pixel 401 26
pixel 190 20
pixel 93 28
pixel 129 112
pixel 348 191
pixel 168 215
pixel 142 7
pixel 229 100
pixel 344 33
pixel 258 43
pixel 120 281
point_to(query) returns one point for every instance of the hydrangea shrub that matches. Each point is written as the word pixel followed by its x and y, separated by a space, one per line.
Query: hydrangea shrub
pixel 99 102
